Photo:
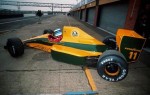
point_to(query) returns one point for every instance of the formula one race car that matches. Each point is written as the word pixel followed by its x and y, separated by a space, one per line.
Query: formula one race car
pixel 74 46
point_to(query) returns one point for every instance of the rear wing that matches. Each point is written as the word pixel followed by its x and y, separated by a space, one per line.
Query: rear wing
pixel 130 44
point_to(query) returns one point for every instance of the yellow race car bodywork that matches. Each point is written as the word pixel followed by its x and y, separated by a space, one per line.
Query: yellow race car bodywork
pixel 76 47
pixel 75 44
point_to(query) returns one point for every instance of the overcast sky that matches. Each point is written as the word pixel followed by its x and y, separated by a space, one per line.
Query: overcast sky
pixel 40 8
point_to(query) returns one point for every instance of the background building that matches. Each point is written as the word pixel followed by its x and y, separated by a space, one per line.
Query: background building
pixel 109 15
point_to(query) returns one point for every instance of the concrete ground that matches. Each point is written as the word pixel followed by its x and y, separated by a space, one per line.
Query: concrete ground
pixel 37 73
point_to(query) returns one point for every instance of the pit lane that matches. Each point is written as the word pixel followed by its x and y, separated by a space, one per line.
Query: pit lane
pixel 37 73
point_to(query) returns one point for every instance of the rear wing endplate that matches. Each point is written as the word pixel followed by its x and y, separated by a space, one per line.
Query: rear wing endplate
pixel 130 44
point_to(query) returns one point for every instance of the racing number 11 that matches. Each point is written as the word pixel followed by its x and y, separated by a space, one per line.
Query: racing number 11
pixel 133 55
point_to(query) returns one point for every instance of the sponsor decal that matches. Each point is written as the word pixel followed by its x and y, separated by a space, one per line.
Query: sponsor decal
pixel 122 75
pixel 106 60
pixel 133 49
pixel 75 33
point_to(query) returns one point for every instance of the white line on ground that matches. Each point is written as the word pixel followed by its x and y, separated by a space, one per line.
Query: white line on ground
pixel 68 20
pixel 107 31
pixel 7 31
pixel 15 21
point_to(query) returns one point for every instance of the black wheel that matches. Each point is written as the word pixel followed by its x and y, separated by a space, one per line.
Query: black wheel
pixel 110 42
pixel 48 31
pixel 15 47
pixel 112 66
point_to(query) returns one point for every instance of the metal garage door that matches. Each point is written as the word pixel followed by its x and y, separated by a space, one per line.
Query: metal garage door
pixel 91 14
pixel 83 15
pixel 113 16
pixel 77 14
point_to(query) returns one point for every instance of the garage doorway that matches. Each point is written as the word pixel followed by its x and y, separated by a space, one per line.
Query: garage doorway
pixel 142 25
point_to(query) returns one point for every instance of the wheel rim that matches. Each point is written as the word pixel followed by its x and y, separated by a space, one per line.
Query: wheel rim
pixel 112 69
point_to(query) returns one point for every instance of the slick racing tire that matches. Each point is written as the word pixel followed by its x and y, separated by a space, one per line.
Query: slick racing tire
pixel 112 66
pixel 48 31
pixel 15 47
pixel 110 41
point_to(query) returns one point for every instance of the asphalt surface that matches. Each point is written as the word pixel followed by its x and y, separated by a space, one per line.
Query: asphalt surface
pixel 11 24
pixel 36 73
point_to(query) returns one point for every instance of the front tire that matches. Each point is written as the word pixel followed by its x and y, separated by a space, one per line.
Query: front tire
pixel 112 66
pixel 15 47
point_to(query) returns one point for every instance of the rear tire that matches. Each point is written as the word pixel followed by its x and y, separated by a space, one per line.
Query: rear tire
pixel 110 41
pixel 48 31
pixel 15 47
pixel 112 66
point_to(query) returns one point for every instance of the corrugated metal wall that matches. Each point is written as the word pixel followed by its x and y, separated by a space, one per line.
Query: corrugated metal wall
pixel 91 15
pixel 83 15
pixel 110 16
pixel 77 14
pixel 113 16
